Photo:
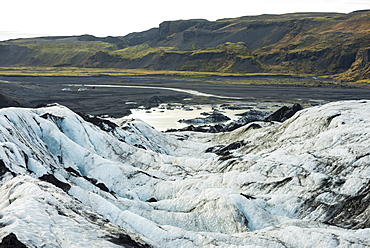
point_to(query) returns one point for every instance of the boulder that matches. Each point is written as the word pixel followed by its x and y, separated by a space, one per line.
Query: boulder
pixel 213 118
pixel 284 113
pixel 11 241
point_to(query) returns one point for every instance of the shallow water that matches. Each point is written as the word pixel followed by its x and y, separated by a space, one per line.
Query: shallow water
pixel 192 92
pixel 165 117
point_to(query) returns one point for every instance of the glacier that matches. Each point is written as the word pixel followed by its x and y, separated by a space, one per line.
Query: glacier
pixel 68 182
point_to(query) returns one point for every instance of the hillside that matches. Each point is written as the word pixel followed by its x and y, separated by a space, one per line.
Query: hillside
pixel 300 43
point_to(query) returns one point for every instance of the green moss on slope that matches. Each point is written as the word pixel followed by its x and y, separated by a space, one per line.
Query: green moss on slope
pixel 136 52
pixel 57 54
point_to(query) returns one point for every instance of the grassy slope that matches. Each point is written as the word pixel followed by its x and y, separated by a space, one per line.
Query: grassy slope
pixel 210 77
pixel 336 35
pixel 311 43
pixel 221 58
pixel 58 54
pixel 91 72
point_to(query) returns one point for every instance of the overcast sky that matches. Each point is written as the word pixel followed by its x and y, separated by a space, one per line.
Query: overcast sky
pixel 30 18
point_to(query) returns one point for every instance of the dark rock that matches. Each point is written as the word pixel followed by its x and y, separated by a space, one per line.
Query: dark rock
pixel 213 118
pixel 104 125
pixel 225 150
pixel 53 180
pixel 126 241
pixel 205 113
pixel 214 149
pixel 221 127
pixel 191 128
pixel 11 241
pixel 235 107
pixel 54 118
pixel 26 159
pixel 282 182
pixel 248 117
pixel 151 200
pixel 101 186
pixel 233 146
pixel 227 156
pixel 248 196
pixel 284 113
pixel 244 121
pixel 252 112
pixel 254 116
pixel 216 128
pixel 346 60
pixel 73 171
pixel 3 168
pixel 254 126
pixel 329 119
pixel 140 146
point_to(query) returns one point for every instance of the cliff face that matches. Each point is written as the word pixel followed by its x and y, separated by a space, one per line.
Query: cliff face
pixel 360 69
pixel 13 54
pixel 321 43
pixel 207 61
pixel 317 43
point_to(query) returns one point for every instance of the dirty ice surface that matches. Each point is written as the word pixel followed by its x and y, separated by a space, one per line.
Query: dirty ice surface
pixel 67 182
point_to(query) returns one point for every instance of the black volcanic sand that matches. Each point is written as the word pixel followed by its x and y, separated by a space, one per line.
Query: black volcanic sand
pixel 35 91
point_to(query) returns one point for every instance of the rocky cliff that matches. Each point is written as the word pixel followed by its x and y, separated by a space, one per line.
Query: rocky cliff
pixel 315 43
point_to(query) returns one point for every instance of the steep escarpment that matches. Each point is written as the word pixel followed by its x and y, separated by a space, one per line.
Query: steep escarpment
pixel 72 181
pixel 55 51
pixel 314 43
pixel 221 59
pixel 300 43
pixel 360 69
pixel 15 55
pixel 312 49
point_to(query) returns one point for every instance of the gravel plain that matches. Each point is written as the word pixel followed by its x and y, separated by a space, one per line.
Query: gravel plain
pixel 117 101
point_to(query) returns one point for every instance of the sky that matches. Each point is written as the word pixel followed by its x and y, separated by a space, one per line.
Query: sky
pixel 33 18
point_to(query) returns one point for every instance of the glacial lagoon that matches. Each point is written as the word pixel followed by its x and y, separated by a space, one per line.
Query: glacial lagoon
pixel 167 116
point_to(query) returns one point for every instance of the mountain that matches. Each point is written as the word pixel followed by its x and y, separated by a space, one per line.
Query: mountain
pixel 314 43
pixel 79 181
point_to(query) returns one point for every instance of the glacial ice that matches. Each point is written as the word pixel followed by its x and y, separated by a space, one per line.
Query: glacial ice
pixel 302 183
